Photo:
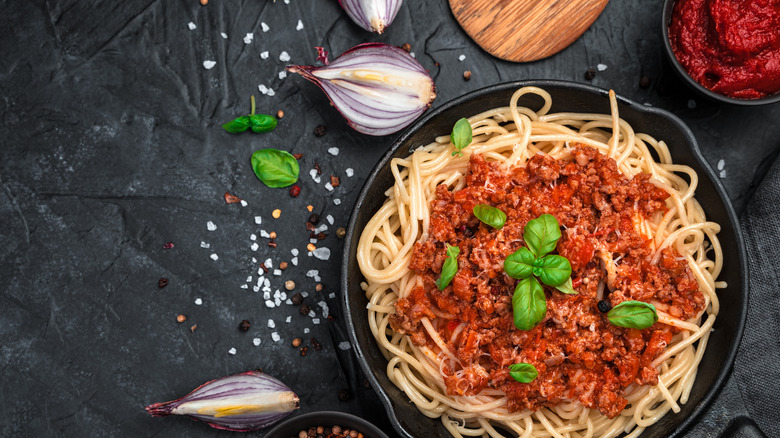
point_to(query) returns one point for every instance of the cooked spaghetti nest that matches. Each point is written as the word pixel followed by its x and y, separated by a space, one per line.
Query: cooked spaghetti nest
pixel 512 135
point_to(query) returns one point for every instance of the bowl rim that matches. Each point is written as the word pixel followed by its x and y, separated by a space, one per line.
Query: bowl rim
pixel 371 430
pixel 715 386
pixel 666 18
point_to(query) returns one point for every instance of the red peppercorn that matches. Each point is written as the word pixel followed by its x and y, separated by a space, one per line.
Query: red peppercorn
pixel 295 191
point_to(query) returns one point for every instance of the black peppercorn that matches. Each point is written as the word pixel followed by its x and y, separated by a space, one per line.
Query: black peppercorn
pixel 162 283
pixel 314 218
pixel 297 299
pixel 590 74
pixel 244 326
pixel 604 306
pixel 305 309
pixel 644 82
pixel 319 131
pixel 344 395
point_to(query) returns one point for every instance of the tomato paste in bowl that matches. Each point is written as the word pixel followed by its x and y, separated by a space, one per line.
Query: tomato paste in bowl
pixel 729 47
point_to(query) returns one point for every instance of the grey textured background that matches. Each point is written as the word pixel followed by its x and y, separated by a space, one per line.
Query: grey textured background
pixel 112 146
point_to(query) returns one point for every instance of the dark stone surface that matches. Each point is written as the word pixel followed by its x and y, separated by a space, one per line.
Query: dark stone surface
pixel 112 146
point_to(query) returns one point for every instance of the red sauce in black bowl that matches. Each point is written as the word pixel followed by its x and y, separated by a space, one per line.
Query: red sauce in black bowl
pixel 731 47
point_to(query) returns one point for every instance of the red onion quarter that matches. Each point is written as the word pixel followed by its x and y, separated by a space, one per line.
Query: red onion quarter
pixel 372 15
pixel 241 402
pixel 380 89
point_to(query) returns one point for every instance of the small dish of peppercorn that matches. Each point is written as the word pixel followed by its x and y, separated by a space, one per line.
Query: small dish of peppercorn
pixel 325 424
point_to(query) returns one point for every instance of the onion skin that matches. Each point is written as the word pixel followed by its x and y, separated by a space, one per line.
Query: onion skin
pixel 372 15
pixel 242 402
pixel 380 89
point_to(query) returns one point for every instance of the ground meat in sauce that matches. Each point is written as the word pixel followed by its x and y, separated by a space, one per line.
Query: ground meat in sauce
pixel 578 354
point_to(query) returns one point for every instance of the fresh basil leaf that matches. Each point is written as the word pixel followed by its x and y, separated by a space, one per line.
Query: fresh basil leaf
pixel 449 268
pixel 461 135
pixel 633 314
pixel 567 287
pixel 490 215
pixel 523 372
pixel 555 270
pixel 519 264
pixel 529 305
pixel 262 123
pixel 240 124
pixel 275 168
pixel 541 234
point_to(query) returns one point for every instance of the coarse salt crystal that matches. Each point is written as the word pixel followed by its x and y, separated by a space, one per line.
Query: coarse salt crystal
pixel 271 92
pixel 270 304
pixel 205 245
pixel 329 187
pixel 288 302
pixel 344 345
pixel 271 323
pixel 252 236
pixel 264 233
pixel 267 295
pixel 214 257
pixel 337 201
pixel 312 314
pixel 282 74
pixel 305 294
pixel 255 288
pixel 258 220
pixel 350 172
pixel 275 336
pixel 317 278
pixel 721 164
pixel 224 35
pixel 332 295
pixel 191 25
pixel 294 261
pixel 329 218
pixel 284 56
pixel 269 263
pixel 232 351
pixel 246 286
pixel 321 253
pixel 262 88
pixel 256 341
pixel 412 54
pixel 325 309
pixel 255 246
pixel 691 104
pixel 265 27
pixel 249 279
pixel 198 301
pixel 299 26
pixel 264 55
pixel 601 67
pixel 208 65
pixel 462 58
pixel 312 273
pixel 267 283
pixel 333 151
pixel 294 251
pixel 254 260
pixel 248 38
pixel 315 321
pixel 244 203
pixel 320 229
pixel 287 2
pixel 722 173
pixel 211 226
pixel 277 272
pixel 306 330
pixel 316 177
pixel 289 319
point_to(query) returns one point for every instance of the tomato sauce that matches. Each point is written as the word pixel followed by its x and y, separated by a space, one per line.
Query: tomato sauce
pixel 731 47
pixel 579 355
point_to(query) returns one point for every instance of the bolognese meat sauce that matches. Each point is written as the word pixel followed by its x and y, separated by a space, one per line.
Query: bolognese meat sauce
pixel 579 355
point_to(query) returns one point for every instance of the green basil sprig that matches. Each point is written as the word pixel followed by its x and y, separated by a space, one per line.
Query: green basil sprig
pixel 633 314
pixel 529 304
pixel 257 122
pixel 275 168
pixel 449 268
pixel 461 136
pixel 523 372
pixel 490 215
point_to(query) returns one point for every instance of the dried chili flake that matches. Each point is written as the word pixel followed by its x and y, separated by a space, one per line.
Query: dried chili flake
pixel 407 47
pixel 168 245
pixel 230 199
pixel 321 236
pixel 316 344
pixel 161 283
pixel 297 156
pixel 244 326
pixel 334 181
pixel 317 168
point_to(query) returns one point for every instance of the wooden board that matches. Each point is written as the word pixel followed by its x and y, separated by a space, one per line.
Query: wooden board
pixel 525 30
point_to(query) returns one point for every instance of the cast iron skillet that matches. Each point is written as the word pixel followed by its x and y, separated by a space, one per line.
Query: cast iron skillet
pixel 567 96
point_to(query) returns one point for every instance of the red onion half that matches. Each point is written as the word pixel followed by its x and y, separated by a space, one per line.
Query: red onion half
pixel 380 89
pixel 241 402
pixel 372 15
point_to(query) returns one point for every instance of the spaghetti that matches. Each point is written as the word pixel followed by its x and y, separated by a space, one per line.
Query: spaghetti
pixel 423 339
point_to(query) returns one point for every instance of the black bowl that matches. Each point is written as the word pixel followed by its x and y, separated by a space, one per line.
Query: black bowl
pixel 683 74
pixel 291 426
pixel 567 96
